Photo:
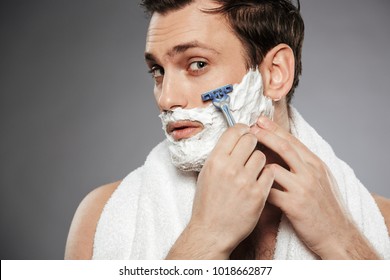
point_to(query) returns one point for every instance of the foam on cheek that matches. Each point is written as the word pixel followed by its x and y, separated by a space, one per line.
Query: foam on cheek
pixel 247 103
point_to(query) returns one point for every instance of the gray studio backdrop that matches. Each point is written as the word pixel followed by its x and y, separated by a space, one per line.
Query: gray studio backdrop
pixel 77 109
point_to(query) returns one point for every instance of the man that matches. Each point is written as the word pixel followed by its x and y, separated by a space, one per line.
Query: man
pixel 269 189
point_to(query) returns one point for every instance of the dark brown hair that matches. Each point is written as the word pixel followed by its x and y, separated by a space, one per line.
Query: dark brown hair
pixel 259 24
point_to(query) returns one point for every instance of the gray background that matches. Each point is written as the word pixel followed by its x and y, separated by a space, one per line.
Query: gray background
pixel 77 110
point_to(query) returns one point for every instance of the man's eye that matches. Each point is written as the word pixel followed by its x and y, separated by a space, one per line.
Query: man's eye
pixel 197 65
pixel 156 72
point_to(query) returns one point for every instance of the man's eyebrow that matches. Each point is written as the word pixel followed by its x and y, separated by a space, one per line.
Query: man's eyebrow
pixel 190 45
pixel 149 57
pixel 181 48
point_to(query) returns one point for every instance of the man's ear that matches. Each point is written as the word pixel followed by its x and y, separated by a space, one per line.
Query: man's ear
pixel 277 70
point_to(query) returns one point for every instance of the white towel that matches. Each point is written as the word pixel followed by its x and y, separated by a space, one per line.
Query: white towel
pixel 152 206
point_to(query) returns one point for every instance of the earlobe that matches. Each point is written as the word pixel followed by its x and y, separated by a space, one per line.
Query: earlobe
pixel 277 69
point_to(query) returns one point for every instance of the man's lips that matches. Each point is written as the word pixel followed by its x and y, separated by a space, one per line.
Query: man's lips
pixel 184 129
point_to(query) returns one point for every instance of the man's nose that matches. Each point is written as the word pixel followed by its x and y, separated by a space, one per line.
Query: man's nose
pixel 172 94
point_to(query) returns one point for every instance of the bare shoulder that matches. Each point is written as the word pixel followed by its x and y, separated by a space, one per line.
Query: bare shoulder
pixel 79 244
pixel 384 205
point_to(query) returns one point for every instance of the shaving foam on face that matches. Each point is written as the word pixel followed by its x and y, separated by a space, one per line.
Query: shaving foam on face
pixel 247 103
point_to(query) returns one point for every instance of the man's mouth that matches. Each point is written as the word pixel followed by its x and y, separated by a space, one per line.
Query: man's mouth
pixel 184 129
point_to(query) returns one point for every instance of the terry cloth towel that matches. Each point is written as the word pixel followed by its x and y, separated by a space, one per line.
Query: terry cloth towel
pixel 151 207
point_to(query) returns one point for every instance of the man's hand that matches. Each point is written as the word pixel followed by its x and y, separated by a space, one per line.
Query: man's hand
pixel 308 197
pixel 232 189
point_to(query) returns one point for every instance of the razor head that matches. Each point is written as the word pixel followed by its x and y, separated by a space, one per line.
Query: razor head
pixel 219 93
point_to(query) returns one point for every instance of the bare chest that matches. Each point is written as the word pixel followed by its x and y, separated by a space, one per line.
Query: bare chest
pixel 260 245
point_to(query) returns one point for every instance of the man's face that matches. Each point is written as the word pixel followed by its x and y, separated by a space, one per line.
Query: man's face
pixel 189 53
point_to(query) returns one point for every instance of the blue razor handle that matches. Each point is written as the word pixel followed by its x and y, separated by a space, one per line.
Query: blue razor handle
pixel 224 106
pixel 221 99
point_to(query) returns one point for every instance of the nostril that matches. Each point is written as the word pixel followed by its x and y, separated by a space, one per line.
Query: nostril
pixel 169 103
pixel 175 107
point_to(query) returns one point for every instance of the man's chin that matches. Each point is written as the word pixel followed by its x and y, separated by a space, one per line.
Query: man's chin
pixel 188 166
pixel 189 154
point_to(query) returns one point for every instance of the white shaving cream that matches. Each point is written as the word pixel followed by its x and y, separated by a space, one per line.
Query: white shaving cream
pixel 247 103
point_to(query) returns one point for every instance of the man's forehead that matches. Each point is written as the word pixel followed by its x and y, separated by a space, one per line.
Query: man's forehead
pixel 189 24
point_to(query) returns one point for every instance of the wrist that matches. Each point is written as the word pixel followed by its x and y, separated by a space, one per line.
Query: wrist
pixel 350 244
pixel 199 242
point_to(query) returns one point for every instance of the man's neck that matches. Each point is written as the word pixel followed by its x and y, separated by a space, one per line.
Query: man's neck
pixel 282 115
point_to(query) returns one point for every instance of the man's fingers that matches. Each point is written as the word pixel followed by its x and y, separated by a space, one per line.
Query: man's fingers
pixel 273 127
pixel 243 149
pixel 280 146
pixel 277 198
pixel 285 178
pixel 256 162
pixel 229 139
pixel 266 180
